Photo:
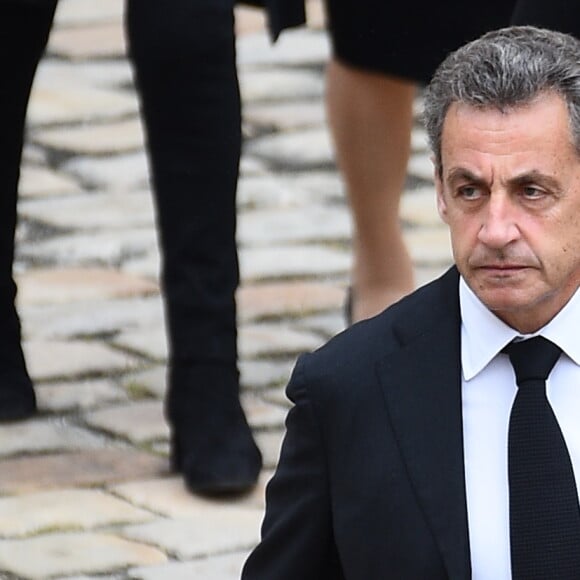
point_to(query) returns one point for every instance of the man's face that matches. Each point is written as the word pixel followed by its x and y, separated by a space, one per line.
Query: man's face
pixel 509 190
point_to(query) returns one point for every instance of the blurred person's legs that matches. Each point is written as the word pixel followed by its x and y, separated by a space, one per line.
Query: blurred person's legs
pixel 370 117
pixel 24 30
pixel 184 57
pixel 381 51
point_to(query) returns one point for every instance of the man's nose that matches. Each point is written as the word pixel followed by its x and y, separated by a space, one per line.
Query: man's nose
pixel 499 224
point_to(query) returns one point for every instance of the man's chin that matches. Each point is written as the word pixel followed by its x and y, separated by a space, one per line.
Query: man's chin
pixel 503 297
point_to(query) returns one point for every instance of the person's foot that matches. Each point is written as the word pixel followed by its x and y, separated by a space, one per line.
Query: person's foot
pixel 211 443
pixel 17 399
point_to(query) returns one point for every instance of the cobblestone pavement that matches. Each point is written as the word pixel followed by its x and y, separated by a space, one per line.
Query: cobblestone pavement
pixel 85 489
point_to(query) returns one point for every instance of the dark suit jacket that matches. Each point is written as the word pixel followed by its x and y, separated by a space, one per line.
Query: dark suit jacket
pixel 370 483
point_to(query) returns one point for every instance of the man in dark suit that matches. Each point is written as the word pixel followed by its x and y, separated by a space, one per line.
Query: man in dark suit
pixel 395 462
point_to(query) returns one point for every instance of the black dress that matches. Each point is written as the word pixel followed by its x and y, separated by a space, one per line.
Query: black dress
pixel 562 15
pixel 410 39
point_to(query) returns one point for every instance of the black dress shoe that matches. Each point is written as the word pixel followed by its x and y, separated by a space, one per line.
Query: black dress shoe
pixel 211 443
pixel 17 399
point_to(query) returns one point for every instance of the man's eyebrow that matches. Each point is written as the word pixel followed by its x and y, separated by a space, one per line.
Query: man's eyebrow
pixel 462 174
pixel 536 177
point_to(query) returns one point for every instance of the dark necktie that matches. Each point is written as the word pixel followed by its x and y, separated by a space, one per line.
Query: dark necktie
pixel 544 511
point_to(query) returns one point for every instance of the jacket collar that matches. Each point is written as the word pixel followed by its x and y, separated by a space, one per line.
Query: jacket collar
pixel 422 388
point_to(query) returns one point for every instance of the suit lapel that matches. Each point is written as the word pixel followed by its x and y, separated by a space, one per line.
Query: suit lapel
pixel 422 387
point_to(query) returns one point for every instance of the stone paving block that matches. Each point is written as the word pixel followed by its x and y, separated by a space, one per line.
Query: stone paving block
pixel 41 435
pixel 259 374
pixel 152 381
pixel 151 343
pixel 252 166
pixel 66 285
pixel 53 554
pixel 286 116
pixel 109 576
pixel 124 172
pixel 300 260
pixel 419 207
pixel 32 154
pixel 144 421
pixel 270 443
pixel 75 12
pixel 102 210
pixel 271 227
pixel 295 47
pixel 65 509
pixel 161 448
pixel 254 374
pixel 78 395
pixel 287 299
pixel 429 246
pixel 213 531
pixel 101 73
pixel 110 138
pixel 267 191
pixel 327 184
pixel 97 40
pixel 91 318
pixel 138 421
pixel 426 274
pixel 90 467
pixel 288 190
pixel 257 340
pixel 144 265
pixel 113 248
pixel 420 141
pixel 420 165
pixel 327 324
pixel 261 414
pixel 296 149
pixel 170 498
pixel 53 104
pixel 277 396
pixel 38 181
pixel 226 567
pixel 76 358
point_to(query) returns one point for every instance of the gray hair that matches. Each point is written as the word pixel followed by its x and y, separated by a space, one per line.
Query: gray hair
pixel 503 69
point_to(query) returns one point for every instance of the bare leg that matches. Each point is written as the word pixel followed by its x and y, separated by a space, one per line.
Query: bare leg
pixel 370 117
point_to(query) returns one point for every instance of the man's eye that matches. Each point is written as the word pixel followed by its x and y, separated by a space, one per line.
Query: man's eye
pixel 532 192
pixel 469 192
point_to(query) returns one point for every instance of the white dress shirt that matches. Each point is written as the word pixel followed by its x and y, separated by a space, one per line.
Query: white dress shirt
pixel 488 391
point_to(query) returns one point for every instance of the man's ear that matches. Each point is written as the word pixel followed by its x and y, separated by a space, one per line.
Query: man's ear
pixel 441 202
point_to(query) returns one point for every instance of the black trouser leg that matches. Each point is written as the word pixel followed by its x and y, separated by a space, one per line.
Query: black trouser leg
pixel 24 29
pixel 184 57
pixel 183 54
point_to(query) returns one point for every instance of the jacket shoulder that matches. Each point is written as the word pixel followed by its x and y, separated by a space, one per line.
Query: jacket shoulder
pixel 408 317
pixel 351 355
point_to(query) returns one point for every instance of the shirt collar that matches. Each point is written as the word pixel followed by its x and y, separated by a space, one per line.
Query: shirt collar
pixel 483 334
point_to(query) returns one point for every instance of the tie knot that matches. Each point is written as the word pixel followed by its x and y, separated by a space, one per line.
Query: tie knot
pixel 532 359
